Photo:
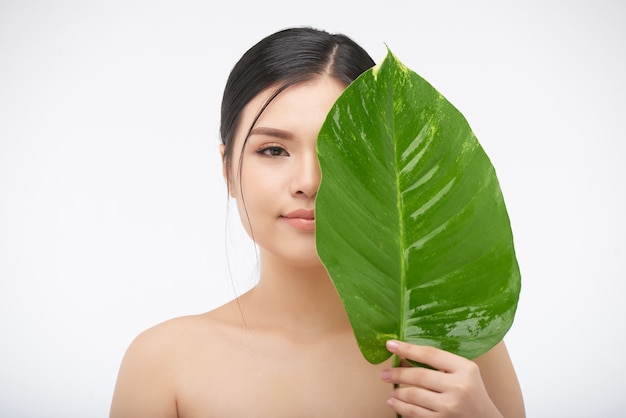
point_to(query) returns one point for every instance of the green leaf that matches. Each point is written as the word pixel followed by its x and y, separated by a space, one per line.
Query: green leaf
pixel 410 219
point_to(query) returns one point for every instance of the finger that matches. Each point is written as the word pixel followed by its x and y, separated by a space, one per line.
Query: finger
pixel 431 356
pixel 420 397
pixel 408 410
pixel 432 380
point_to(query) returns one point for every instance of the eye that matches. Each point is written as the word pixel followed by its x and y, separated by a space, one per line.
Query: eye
pixel 273 151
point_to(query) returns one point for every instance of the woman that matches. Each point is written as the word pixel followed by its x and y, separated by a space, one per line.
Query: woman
pixel 285 348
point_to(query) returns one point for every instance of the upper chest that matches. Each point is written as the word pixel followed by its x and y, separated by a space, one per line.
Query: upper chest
pixel 272 379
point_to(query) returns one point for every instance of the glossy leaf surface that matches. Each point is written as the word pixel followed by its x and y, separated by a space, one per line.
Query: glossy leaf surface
pixel 410 219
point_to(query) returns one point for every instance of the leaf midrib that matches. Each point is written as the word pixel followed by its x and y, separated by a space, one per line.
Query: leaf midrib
pixel 399 204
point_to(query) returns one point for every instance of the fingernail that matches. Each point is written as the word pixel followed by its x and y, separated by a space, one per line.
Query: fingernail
pixel 392 345
pixel 385 375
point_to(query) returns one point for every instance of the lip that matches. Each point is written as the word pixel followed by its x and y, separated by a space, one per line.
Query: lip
pixel 302 219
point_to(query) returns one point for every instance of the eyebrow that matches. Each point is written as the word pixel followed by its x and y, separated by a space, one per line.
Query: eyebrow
pixel 274 132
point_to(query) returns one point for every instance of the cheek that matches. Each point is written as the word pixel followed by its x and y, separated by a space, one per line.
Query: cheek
pixel 256 202
pixel 257 185
pixel 264 186
pixel 251 190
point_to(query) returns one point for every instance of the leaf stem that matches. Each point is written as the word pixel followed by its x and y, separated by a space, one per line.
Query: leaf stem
pixel 396 386
pixel 395 362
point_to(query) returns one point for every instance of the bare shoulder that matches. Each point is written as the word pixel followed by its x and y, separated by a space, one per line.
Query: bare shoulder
pixel 166 341
pixel 158 361
pixel 175 334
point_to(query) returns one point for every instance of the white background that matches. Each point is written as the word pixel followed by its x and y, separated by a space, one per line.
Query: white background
pixel 112 204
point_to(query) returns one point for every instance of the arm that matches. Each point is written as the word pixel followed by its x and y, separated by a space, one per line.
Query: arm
pixel 501 381
pixel 457 387
pixel 143 388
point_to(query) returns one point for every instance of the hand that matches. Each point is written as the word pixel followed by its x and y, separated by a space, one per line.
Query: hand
pixel 453 389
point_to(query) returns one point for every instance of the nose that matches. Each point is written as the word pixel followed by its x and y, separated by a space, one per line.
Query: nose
pixel 306 175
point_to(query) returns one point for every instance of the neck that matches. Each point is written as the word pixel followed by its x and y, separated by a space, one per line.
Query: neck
pixel 300 300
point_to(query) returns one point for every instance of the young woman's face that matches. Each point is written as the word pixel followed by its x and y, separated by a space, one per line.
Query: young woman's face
pixel 280 172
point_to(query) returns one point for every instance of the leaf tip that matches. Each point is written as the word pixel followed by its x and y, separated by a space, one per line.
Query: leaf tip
pixel 390 60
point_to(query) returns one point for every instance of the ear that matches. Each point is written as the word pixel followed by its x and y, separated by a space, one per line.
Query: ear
pixel 225 173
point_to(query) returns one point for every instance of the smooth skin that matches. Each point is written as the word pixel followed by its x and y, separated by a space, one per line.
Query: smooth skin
pixel 286 348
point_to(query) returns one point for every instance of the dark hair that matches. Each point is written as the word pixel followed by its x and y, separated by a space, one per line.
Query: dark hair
pixel 282 59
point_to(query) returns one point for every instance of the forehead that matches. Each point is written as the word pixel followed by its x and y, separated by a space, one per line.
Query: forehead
pixel 296 105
